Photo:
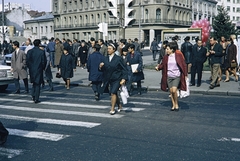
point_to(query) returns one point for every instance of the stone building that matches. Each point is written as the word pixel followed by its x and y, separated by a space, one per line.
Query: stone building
pixel 79 18
pixel 204 9
pixel 40 27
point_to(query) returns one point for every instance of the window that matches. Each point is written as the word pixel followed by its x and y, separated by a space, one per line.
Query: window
pixel 238 9
pixel 46 29
pixel 41 29
pixel 237 18
pixel 92 4
pixel 233 18
pixel 81 5
pixel 228 0
pixel 146 14
pixel 104 17
pixel 234 9
pixel 51 29
pixel 65 6
pixel 158 14
pixel 36 30
pixel 228 8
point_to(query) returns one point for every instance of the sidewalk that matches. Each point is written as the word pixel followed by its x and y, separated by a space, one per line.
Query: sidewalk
pixel 153 79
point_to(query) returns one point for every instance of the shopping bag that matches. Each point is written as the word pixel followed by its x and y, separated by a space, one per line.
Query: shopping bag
pixel 124 94
pixel 187 92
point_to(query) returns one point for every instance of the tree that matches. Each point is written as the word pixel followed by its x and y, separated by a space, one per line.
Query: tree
pixel 222 25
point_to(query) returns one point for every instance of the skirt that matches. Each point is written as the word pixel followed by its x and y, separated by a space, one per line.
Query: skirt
pixel 173 82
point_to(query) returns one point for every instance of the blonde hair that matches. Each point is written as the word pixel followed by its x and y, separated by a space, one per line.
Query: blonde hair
pixel 233 36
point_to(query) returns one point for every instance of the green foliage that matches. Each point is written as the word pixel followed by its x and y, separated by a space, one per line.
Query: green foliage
pixel 222 24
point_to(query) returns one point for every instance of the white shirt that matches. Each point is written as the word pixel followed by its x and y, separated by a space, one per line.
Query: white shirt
pixel 110 57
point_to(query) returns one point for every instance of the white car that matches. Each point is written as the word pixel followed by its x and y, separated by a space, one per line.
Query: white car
pixel 6 77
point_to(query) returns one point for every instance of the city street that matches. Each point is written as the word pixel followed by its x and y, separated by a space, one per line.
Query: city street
pixel 69 125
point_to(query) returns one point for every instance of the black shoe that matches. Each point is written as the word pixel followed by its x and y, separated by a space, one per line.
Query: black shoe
pixel 3 139
pixel 37 101
pixel 96 96
pixel 192 85
pixel 172 109
pixel 26 92
pixel 198 85
pixel 211 87
pixel 218 85
pixel 16 92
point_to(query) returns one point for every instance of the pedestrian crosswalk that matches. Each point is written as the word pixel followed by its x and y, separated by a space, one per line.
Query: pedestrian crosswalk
pixel 55 112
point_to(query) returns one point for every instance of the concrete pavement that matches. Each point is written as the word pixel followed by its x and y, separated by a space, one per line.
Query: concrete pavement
pixel 153 78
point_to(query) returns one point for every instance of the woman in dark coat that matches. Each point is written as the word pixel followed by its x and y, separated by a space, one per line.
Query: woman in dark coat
pixel 231 57
pixel 115 74
pixel 135 57
pixel 66 67
pixel 174 73
pixel 83 53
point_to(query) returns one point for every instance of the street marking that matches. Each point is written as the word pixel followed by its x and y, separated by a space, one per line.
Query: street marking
pixel 229 139
pixel 51 121
pixel 37 134
pixel 59 104
pixel 104 115
pixel 10 153
pixel 133 109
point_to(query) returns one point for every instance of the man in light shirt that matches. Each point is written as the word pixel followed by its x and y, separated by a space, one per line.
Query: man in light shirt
pixel 29 46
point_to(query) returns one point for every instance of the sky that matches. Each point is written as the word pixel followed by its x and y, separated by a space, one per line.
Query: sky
pixel 40 5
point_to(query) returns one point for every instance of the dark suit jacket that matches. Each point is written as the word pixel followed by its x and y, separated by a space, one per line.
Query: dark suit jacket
pixel 231 55
pixel 154 45
pixel 36 62
pixel 198 56
pixel 93 62
pixel 114 70
pixel 216 58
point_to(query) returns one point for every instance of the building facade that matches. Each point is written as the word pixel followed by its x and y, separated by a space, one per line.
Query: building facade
pixel 80 18
pixel 10 6
pixel 233 7
pixel 202 9
pixel 40 27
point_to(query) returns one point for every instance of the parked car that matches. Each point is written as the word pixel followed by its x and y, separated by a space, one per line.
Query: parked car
pixel 6 77
pixel 8 57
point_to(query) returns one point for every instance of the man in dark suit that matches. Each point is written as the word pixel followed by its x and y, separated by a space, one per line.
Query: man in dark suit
pixel 19 67
pixel 36 62
pixel 154 48
pixel 3 134
pixel 95 75
pixel 103 49
pixel 215 54
pixel 197 58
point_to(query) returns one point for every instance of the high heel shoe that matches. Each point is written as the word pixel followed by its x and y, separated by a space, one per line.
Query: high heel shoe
pixel 112 112
pixel 226 80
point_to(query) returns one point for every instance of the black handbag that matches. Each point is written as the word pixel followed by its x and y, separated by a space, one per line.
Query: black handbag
pixel 233 65
pixel 58 75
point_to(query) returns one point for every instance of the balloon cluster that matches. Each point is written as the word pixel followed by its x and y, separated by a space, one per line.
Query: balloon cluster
pixel 204 24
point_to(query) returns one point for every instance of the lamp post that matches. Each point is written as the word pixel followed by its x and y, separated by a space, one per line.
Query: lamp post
pixel 3 32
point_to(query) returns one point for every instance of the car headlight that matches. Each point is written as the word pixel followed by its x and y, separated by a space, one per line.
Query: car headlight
pixel 3 73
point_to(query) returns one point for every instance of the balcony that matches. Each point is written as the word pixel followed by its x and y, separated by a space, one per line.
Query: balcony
pixel 163 21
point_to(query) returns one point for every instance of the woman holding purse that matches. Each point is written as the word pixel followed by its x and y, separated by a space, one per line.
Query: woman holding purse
pixel 231 60
pixel 115 74
pixel 174 73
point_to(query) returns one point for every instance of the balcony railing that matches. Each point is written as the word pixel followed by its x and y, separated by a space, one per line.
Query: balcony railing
pixel 116 23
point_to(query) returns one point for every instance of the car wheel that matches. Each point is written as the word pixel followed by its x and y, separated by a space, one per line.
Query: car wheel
pixel 3 87
pixel 9 64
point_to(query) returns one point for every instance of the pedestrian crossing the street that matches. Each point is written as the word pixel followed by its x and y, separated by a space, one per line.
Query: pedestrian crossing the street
pixel 61 111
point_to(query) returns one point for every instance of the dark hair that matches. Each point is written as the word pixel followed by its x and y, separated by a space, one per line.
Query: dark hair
pixel 214 38
pixel 131 46
pixel 101 40
pixel 173 46
pixel 36 42
pixel 52 38
pixel 125 49
pixel 165 42
pixel 92 39
pixel 16 43
pixel 97 47
pixel 187 38
pixel 136 39
pixel 123 41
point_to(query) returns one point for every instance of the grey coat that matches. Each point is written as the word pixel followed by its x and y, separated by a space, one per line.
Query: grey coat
pixel 103 50
pixel 75 47
pixel 19 65
pixel 48 72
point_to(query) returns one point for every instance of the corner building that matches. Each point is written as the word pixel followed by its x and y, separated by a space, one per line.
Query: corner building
pixel 80 18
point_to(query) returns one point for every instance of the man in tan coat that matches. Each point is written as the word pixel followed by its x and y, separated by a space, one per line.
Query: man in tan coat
pixel 58 51
pixel 19 67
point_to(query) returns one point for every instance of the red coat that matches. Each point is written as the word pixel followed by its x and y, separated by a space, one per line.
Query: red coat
pixel 183 69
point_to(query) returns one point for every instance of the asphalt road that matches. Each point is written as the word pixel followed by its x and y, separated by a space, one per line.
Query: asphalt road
pixel 69 125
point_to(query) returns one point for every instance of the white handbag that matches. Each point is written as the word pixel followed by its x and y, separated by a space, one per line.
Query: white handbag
pixel 187 92
pixel 124 94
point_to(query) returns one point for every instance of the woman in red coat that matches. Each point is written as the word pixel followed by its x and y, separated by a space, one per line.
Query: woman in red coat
pixel 174 73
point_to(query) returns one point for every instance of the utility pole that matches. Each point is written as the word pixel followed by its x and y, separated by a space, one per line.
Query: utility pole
pixel 121 19
pixel 139 24
pixel 3 32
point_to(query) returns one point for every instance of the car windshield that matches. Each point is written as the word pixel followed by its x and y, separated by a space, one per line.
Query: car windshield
pixel 22 48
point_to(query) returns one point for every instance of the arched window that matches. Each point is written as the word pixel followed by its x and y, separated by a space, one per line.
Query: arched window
pixel 98 18
pixel 104 17
pixel 146 14
pixel 92 19
pixel 81 20
pixel 158 14
pixel 86 18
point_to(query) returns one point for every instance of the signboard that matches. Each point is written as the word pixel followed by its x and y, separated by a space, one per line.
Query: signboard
pixel 193 33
